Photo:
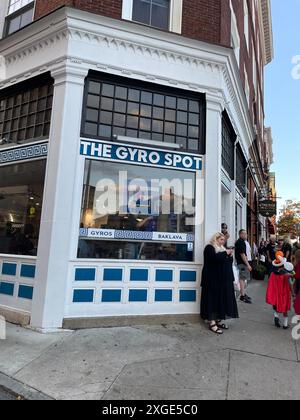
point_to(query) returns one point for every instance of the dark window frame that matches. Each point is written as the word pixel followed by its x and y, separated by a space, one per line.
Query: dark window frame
pixel 241 170
pixel 153 89
pixel 228 145
pixel 27 108
pixel 14 15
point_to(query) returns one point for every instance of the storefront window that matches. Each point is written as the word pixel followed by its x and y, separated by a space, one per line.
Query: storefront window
pixel 21 197
pixel 119 107
pixel 137 212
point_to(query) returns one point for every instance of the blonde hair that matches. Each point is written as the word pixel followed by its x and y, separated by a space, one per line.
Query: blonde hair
pixel 214 242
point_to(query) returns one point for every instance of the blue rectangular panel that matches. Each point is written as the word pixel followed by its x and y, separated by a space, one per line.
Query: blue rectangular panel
pixel 164 275
pixel 9 269
pixel 28 271
pixel 7 288
pixel 111 296
pixel 113 274
pixel 85 274
pixel 188 296
pixel 83 296
pixel 25 292
pixel 138 295
pixel 188 276
pixel 139 275
pixel 163 295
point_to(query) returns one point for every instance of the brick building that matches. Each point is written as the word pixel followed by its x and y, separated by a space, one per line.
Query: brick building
pixel 162 90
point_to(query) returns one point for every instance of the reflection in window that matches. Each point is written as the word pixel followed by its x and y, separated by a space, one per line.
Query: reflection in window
pixel 111 109
pixel 152 12
pixel 21 197
pixel 148 201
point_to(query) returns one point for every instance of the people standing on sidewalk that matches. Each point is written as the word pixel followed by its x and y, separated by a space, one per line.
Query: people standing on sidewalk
pixel 243 258
pixel 287 249
pixel 262 251
pixel 279 289
pixel 218 300
pixel 271 253
pixel 225 232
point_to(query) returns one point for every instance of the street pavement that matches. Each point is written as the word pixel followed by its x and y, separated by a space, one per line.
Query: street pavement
pixel 4 396
pixel 252 361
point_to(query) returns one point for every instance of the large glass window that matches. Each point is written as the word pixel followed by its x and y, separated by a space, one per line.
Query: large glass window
pixel 25 112
pixel 113 108
pixel 20 14
pixel 241 171
pixel 152 12
pixel 21 197
pixel 136 212
pixel 228 141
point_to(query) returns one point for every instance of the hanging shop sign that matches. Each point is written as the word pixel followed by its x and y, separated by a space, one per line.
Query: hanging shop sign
pixel 100 234
pixel 268 208
pixel 140 155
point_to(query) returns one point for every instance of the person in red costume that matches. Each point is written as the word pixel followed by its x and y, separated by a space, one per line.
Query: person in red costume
pixel 280 289
pixel 297 282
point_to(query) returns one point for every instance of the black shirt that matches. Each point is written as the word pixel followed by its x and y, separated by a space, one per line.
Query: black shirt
pixel 285 249
pixel 271 249
pixel 240 248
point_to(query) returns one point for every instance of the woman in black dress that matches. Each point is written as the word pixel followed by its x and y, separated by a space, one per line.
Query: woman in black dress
pixel 218 301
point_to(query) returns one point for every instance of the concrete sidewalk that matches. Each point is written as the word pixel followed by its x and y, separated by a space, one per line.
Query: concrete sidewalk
pixel 253 360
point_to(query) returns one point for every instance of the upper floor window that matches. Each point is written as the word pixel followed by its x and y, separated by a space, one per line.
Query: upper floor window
pixel 161 14
pixel 152 12
pixel 20 14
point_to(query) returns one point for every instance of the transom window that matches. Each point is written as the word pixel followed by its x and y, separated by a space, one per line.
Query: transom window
pixel 152 12
pixel 25 112
pixel 114 108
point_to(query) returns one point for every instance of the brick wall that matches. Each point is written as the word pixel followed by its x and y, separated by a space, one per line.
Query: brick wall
pixel 111 8
pixel 206 20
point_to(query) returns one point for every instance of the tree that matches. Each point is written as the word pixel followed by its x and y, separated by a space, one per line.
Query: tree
pixel 289 219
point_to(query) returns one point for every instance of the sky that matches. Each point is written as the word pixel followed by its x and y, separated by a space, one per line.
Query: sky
pixel 282 100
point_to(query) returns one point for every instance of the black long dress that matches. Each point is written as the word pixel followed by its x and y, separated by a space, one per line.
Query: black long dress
pixel 218 301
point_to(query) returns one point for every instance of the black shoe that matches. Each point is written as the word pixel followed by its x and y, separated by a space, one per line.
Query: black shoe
pixel 286 328
pixel 245 299
pixel 277 322
pixel 248 297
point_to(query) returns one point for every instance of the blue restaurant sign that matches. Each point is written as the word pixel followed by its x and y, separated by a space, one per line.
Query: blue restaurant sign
pixel 146 156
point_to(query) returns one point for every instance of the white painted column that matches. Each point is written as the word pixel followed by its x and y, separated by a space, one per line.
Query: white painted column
pixel 213 165
pixel 56 224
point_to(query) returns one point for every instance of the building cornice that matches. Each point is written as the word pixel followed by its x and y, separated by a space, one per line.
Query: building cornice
pixel 56 39
pixel 267 30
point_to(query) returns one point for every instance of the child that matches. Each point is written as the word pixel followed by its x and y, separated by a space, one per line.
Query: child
pixel 279 289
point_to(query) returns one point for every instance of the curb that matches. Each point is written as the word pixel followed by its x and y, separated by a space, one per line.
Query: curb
pixel 20 390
